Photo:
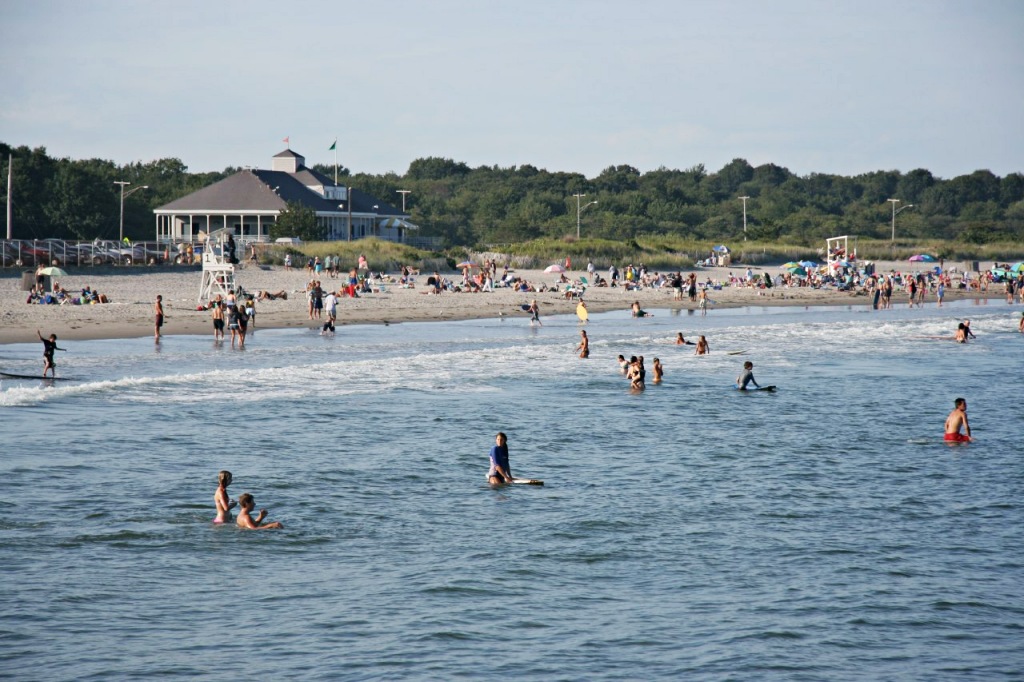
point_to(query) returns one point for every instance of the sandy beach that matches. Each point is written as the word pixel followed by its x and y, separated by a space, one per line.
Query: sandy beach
pixel 132 293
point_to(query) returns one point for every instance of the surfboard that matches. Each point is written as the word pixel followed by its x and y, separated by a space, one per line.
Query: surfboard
pixel 33 377
pixel 527 481
pixel 761 388
pixel 581 312
pixel 736 352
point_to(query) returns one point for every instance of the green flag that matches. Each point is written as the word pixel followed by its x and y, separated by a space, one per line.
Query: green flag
pixel 333 146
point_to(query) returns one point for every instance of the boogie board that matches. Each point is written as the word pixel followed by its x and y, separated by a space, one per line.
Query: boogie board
pixel 581 312
pixel 527 481
pixel 32 377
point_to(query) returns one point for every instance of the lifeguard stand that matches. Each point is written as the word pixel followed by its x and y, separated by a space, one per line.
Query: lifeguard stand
pixel 838 249
pixel 218 272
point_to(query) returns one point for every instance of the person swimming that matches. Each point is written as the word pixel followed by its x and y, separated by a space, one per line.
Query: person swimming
pixel 221 499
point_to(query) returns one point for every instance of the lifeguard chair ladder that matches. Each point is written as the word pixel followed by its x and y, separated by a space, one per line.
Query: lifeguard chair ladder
pixel 218 273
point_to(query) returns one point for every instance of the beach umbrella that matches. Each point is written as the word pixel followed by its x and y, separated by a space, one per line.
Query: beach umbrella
pixel 790 264
pixel 554 267
pixel 466 264
pixel 1017 267
pixel 53 272
pixel 808 264
pixel 841 264
pixel 921 258
pixel 798 271
pixel 721 248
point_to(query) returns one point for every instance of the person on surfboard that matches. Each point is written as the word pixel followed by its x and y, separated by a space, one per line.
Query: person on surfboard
pixel 500 472
pixel 956 420
pixel 746 377
pixel 49 345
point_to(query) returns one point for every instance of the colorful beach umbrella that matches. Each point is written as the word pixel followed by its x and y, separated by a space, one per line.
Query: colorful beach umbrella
pixel 554 267
pixel 790 264
pixel 466 264
pixel 921 258
pixel 1017 267
pixel 798 271
pixel 53 272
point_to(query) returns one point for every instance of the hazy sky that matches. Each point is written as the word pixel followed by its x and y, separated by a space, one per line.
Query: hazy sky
pixel 831 87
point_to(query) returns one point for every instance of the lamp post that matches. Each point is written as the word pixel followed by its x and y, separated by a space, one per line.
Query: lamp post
pixel 579 209
pixel 894 214
pixel 744 200
pixel 124 194
pixel 403 192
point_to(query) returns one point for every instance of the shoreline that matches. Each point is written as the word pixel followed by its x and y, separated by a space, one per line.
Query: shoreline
pixel 132 294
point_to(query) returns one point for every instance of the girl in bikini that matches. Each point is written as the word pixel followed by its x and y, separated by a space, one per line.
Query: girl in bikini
pixel 221 499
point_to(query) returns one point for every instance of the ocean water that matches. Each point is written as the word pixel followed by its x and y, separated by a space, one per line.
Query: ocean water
pixel 690 531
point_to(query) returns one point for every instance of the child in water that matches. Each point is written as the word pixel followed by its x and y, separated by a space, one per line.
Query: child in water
pixel 221 499
pixel 247 503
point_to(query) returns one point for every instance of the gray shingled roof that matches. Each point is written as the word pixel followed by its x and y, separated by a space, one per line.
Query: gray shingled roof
pixel 254 190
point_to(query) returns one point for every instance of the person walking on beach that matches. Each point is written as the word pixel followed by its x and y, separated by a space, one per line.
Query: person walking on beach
pixel 499 473
pixel 534 311
pixel 331 308
pixel 956 421
pixel 158 313
pixel 584 347
pixel 940 292
pixel 746 377
pixel 49 345
pixel 245 520
pixel 220 498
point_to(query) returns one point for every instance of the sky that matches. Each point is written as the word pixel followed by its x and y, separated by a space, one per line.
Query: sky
pixel 844 87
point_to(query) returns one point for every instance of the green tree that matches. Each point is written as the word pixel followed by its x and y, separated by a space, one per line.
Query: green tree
pixel 297 220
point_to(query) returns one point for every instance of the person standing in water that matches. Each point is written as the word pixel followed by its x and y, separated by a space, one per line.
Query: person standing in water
pixel 220 498
pixel 702 346
pixel 49 345
pixel 746 377
pixel 657 370
pixel 584 347
pixel 158 313
pixel 957 420
pixel 500 472
pixel 247 503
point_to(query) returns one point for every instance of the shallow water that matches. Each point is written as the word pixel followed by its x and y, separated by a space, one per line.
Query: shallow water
pixel 691 531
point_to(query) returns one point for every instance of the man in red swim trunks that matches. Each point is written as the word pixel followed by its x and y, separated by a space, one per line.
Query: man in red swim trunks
pixel 956 420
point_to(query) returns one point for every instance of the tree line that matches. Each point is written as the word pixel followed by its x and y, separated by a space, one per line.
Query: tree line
pixel 78 199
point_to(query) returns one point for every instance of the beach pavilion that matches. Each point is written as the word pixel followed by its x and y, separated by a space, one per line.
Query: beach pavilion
pixel 248 202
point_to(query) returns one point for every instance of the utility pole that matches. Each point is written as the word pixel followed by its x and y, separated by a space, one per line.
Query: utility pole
pixel 403 192
pixel 10 184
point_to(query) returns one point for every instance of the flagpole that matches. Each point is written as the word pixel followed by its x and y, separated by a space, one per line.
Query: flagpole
pixel 10 181
pixel 335 145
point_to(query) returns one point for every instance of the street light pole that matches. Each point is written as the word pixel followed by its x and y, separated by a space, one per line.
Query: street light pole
pixel 579 209
pixel 403 192
pixel 744 200
pixel 894 214
pixel 124 194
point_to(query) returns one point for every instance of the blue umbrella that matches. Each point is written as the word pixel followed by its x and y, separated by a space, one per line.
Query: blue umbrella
pixel 721 248
pixel 808 264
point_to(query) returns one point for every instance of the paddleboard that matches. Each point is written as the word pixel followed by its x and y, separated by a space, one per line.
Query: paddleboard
pixel 581 312
pixel 32 377
pixel 527 481
pixel 762 388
